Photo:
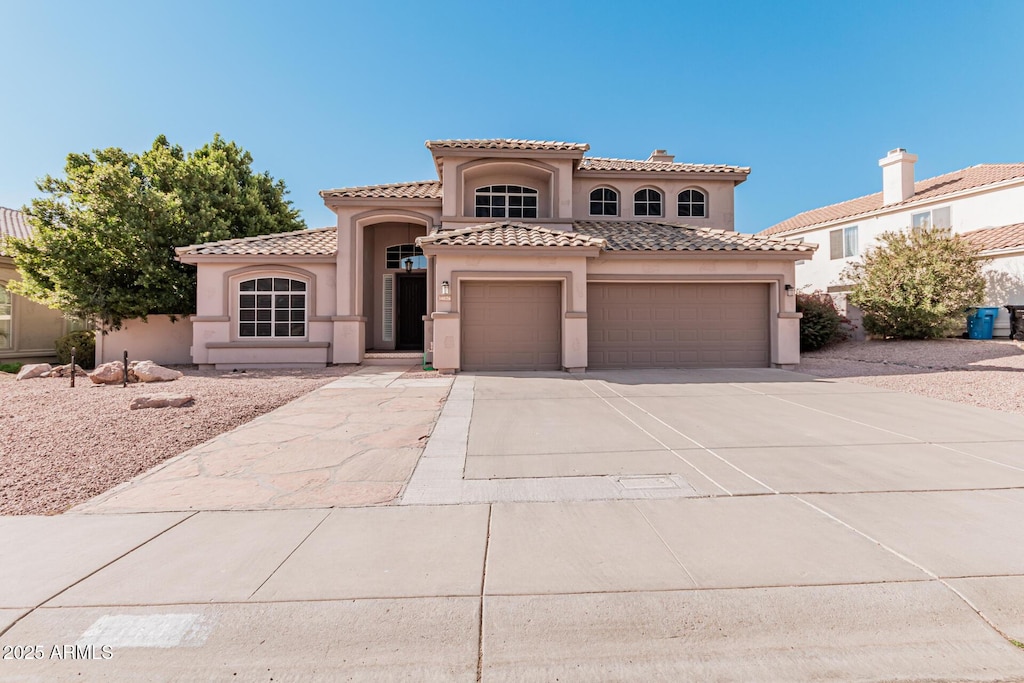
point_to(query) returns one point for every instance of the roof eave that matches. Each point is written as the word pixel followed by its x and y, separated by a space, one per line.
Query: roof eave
pixel 195 259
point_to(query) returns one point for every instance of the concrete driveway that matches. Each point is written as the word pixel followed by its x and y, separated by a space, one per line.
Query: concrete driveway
pixel 703 525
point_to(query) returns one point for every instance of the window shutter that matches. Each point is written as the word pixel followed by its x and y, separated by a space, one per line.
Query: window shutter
pixel 835 238
pixel 388 314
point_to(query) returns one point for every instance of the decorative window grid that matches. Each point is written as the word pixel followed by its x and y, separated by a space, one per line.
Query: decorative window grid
pixel 396 256
pixel 604 201
pixel 647 202
pixel 506 201
pixel 692 204
pixel 272 307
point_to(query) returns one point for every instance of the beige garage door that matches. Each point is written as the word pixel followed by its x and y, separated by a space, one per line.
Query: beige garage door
pixel 678 325
pixel 511 326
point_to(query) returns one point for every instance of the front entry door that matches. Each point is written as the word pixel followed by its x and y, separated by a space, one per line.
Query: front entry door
pixel 412 306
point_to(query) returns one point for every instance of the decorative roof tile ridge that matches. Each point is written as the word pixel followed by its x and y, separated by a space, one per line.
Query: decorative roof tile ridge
pixel 253 238
pixel 381 186
pixel 513 143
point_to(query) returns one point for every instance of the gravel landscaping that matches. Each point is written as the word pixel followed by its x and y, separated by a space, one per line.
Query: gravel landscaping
pixel 989 374
pixel 61 446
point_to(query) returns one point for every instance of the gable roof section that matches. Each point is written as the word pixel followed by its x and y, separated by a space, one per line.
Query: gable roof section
pixel 994 239
pixel 421 189
pixel 12 224
pixel 656 236
pixel 508 143
pixel 318 242
pixel 509 234
pixel 618 165
pixel 930 188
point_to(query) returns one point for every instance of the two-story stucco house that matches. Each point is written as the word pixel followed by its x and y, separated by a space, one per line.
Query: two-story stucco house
pixel 521 255
pixel 984 203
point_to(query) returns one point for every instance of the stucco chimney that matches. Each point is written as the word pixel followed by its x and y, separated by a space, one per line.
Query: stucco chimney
pixel 897 176
pixel 661 155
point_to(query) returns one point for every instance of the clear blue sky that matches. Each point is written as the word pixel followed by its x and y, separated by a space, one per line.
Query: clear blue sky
pixel 329 94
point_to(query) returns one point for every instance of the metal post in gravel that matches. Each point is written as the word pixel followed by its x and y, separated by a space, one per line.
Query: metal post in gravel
pixel 73 349
pixel 124 385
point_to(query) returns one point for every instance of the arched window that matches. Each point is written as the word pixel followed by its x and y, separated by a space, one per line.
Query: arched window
pixel 693 203
pixel 271 307
pixel 604 201
pixel 506 201
pixel 647 202
pixel 397 255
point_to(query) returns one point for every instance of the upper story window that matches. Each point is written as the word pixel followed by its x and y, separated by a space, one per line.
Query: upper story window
pixel 693 203
pixel 506 201
pixel 604 201
pixel 647 202
pixel 396 256
pixel 936 218
pixel 843 242
pixel 271 307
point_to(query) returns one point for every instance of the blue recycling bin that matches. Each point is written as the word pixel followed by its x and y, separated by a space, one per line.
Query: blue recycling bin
pixel 980 322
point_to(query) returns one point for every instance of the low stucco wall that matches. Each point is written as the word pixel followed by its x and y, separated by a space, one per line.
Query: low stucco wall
pixel 157 339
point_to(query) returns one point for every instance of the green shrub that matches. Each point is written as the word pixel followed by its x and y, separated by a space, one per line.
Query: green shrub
pixel 10 367
pixel 822 323
pixel 84 342
pixel 916 284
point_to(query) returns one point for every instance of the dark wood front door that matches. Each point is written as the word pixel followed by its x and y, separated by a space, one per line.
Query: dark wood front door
pixel 412 306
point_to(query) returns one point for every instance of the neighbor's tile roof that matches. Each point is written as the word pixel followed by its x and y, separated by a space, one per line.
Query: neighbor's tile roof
pixel 655 236
pixel 12 224
pixel 509 234
pixel 603 164
pixel 930 188
pixel 318 242
pixel 508 143
pixel 421 189
pixel 1001 237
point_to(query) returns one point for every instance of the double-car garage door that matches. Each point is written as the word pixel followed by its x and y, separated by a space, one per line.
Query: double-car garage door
pixel 516 325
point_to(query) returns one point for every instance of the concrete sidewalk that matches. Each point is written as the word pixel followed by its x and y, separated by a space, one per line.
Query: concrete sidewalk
pixel 745 588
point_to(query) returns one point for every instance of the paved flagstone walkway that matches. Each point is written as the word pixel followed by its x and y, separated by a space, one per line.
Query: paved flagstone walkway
pixel 353 442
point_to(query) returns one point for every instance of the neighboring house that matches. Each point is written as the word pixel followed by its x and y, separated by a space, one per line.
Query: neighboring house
pixel 27 330
pixel 985 203
pixel 522 255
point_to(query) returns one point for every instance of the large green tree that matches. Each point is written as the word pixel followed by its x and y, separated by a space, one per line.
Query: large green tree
pixel 104 235
pixel 916 284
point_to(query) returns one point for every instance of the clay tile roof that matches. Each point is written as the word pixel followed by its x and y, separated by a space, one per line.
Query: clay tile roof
pixel 318 242
pixel 1001 237
pixel 509 234
pixel 420 189
pixel 12 224
pixel 930 188
pixel 602 164
pixel 654 236
pixel 508 143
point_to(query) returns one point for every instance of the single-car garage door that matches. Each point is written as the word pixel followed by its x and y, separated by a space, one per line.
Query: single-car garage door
pixel 511 325
pixel 678 325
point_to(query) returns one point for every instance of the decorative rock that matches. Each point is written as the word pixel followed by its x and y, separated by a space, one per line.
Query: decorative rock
pixel 161 401
pixel 65 371
pixel 148 371
pixel 108 373
pixel 35 370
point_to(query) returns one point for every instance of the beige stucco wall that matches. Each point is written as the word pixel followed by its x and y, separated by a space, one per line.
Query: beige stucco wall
pixel 720 196
pixel 35 328
pixel 215 338
pixel 156 339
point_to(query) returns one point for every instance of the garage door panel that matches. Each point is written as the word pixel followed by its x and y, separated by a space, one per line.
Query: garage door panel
pixel 511 325
pixel 678 325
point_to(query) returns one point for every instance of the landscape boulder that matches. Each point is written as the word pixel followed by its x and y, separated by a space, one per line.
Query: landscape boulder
pixel 148 371
pixel 65 371
pixel 161 401
pixel 34 370
pixel 108 373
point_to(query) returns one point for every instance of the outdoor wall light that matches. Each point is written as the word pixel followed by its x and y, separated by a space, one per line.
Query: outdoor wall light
pixel 790 290
pixel 408 265
pixel 445 289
